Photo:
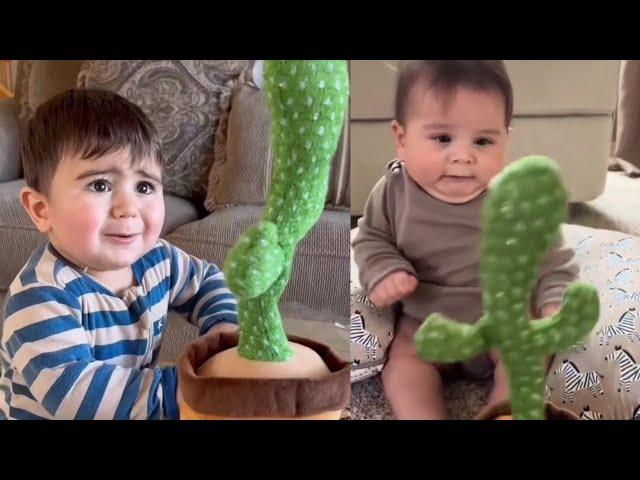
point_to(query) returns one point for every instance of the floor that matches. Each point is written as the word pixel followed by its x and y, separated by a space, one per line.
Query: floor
pixel 615 209
pixel 464 398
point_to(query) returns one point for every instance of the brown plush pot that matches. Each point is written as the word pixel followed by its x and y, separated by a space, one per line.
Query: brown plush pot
pixel 209 398
pixel 502 411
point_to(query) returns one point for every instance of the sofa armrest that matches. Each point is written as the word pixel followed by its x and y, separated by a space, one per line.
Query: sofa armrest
pixel 9 141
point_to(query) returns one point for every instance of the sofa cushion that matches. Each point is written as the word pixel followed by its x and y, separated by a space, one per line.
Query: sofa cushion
pixel 320 274
pixel 583 164
pixel 242 170
pixel 3 296
pixel 540 87
pixel 178 211
pixel 184 99
pixel 10 166
pixel 558 87
pixel 19 237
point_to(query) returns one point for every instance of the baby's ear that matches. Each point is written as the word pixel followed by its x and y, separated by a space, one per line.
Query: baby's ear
pixel 37 206
pixel 399 138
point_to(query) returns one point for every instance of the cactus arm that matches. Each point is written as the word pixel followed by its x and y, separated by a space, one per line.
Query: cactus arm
pixel 442 340
pixel 255 262
pixel 571 324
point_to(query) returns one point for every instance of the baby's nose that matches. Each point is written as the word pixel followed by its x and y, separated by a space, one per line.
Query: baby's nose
pixel 462 155
pixel 124 206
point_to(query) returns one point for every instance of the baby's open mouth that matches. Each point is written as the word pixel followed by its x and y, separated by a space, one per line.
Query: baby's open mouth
pixel 122 238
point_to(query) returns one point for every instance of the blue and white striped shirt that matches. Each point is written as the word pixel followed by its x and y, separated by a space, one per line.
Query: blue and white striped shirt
pixel 72 349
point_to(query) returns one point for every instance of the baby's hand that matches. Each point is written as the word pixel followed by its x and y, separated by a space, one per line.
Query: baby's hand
pixel 393 287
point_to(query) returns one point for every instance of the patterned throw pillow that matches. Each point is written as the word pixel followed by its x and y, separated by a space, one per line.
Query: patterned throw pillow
pixel 600 378
pixel 371 331
pixel 184 99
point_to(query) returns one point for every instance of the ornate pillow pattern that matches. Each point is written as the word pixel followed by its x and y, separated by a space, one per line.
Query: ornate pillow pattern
pixel 184 99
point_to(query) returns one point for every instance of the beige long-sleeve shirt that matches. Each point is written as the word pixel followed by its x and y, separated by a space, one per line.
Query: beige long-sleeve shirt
pixel 404 228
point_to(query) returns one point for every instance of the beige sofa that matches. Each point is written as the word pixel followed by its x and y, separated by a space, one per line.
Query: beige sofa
pixel 317 295
pixel 563 109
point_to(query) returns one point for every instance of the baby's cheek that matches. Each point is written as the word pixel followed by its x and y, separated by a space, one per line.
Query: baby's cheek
pixel 430 172
pixel 154 218
pixel 79 232
pixel 424 172
pixel 85 221
pixel 491 169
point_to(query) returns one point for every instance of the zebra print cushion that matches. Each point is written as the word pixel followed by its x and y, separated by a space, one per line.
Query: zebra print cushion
pixel 371 332
pixel 600 378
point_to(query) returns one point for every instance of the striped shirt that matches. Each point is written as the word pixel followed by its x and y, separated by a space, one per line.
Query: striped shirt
pixel 72 349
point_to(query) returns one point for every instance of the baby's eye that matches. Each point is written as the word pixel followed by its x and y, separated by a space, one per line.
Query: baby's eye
pixel 100 186
pixel 145 188
pixel 484 141
pixel 442 138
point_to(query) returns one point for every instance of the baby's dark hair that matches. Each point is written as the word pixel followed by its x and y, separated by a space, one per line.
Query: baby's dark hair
pixel 88 123
pixel 445 76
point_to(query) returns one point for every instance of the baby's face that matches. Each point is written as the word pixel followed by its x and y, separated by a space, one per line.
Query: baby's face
pixel 453 149
pixel 103 213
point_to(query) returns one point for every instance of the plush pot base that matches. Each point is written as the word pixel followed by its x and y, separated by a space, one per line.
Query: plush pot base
pixel 502 411
pixel 186 413
pixel 239 397
pixel 304 363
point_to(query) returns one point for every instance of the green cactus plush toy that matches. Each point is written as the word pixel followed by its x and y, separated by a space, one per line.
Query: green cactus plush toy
pixel 308 101
pixel 521 221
